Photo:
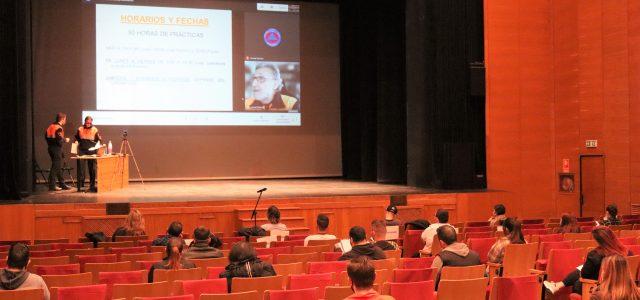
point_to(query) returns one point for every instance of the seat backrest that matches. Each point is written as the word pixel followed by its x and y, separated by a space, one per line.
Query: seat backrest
pixel 291 243
pixel 124 238
pixel 412 243
pixel 416 263
pixel 45 253
pixel 469 272
pixel 477 229
pixel 389 263
pixel 554 237
pixel 120 251
pixel 289 269
pixel 516 288
pixel 630 233
pixel 330 243
pixel 274 251
pixel 128 291
pixel 155 256
pixel 327 266
pixel 25 294
pixel 634 263
pixel 65 246
pixel 577 236
pixel 44 261
pixel 417 290
pixel 519 259
pixel 115 244
pixel 311 249
pixel 104 258
pixel 204 263
pixel 584 243
pixel 304 258
pixel 477 224
pixel 259 284
pixel 482 247
pixel 479 235
pixel 127 277
pixel 252 295
pixel 468 289
pixel 173 275
pixel 50 241
pixel 202 286
pixel 98 291
pixel 53 281
pixel 58 269
pixel 397 254
pixel 214 272
pixel 562 261
pixel 300 294
pixel 337 292
pixel 303 281
pixel 546 247
pixel 331 256
pixel 628 240
pixel 413 275
pixel 74 253
pixel 96 268
pixel 538 231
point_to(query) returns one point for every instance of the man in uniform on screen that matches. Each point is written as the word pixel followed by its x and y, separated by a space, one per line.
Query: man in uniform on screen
pixel 55 139
pixel 87 137
pixel 267 88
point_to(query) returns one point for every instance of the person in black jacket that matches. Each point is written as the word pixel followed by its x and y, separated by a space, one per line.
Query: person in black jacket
pixel 87 137
pixel 608 245
pixel 362 247
pixel 54 136
pixel 244 262
pixel 173 260
pixel 174 231
pixel 200 247
pixel 378 235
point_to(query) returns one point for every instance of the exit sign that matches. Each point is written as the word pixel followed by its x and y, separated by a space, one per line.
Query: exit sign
pixel 591 143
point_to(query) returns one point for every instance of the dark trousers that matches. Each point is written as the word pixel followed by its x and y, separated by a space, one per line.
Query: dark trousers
pixel 573 280
pixel 91 164
pixel 55 153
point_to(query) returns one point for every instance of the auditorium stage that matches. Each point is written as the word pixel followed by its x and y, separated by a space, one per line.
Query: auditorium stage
pixel 211 190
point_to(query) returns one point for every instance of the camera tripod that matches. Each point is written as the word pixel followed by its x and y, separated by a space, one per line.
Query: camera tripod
pixel 125 149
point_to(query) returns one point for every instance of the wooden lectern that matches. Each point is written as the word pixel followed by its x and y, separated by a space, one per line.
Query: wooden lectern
pixel 112 171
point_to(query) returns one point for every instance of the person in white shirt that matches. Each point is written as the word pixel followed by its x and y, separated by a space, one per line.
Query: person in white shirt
pixel 273 215
pixel 427 235
pixel 322 223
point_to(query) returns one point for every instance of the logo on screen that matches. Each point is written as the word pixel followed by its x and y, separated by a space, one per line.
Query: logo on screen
pixel 272 37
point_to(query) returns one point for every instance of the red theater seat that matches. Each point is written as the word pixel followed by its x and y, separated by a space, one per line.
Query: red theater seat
pixel 416 263
pixel 58 269
pixel 516 288
pixel 413 275
pixel 304 294
pixel 418 290
pixel 94 292
pixel 327 267
pixel 319 280
pixel 203 286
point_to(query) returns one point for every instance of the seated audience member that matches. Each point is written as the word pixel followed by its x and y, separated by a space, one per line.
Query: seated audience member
pixel 427 235
pixel 391 216
pixel 200 248
pixel 568 224
pixel 608 245
pixel 499 214
pixel 244 262
pixel 273 215
pixel 362 274
pixel 361 247
pixel 611 216
pixel 615 280
pixel 512 235
pixel 379 234
pixel 174 231
pixel 453 253
pixel 322 223
pixel 174 259
pixel 133 225
pixel 16 277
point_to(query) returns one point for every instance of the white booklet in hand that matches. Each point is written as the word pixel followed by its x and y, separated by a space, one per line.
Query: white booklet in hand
pixel 74 148
pixel 96 147
pixel 344 245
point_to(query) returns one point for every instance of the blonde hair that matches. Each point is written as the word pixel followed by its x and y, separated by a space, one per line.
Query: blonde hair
pixel 134 223
pixel 615 279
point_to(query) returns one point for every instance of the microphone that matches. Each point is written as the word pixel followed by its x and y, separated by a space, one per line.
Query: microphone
pixel 261 190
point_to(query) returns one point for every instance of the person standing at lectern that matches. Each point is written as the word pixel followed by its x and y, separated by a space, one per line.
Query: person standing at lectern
pixel 55 139
pixel 87 137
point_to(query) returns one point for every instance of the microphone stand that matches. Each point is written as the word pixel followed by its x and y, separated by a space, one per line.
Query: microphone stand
pixel 254 214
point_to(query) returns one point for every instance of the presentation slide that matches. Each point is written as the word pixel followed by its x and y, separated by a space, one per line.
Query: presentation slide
pixel 174 66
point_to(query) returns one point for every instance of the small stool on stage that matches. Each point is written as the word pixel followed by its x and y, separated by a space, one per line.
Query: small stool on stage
pixel 112 171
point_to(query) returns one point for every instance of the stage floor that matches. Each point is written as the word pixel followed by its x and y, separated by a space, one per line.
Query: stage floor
pixel 176 191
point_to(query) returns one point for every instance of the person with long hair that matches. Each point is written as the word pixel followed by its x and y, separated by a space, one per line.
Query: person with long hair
pixel 244 262
pixel 173 260
pixel 512 229
pixel 608 245
pixel 568 224
pixel 615 280
pixel 133 225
